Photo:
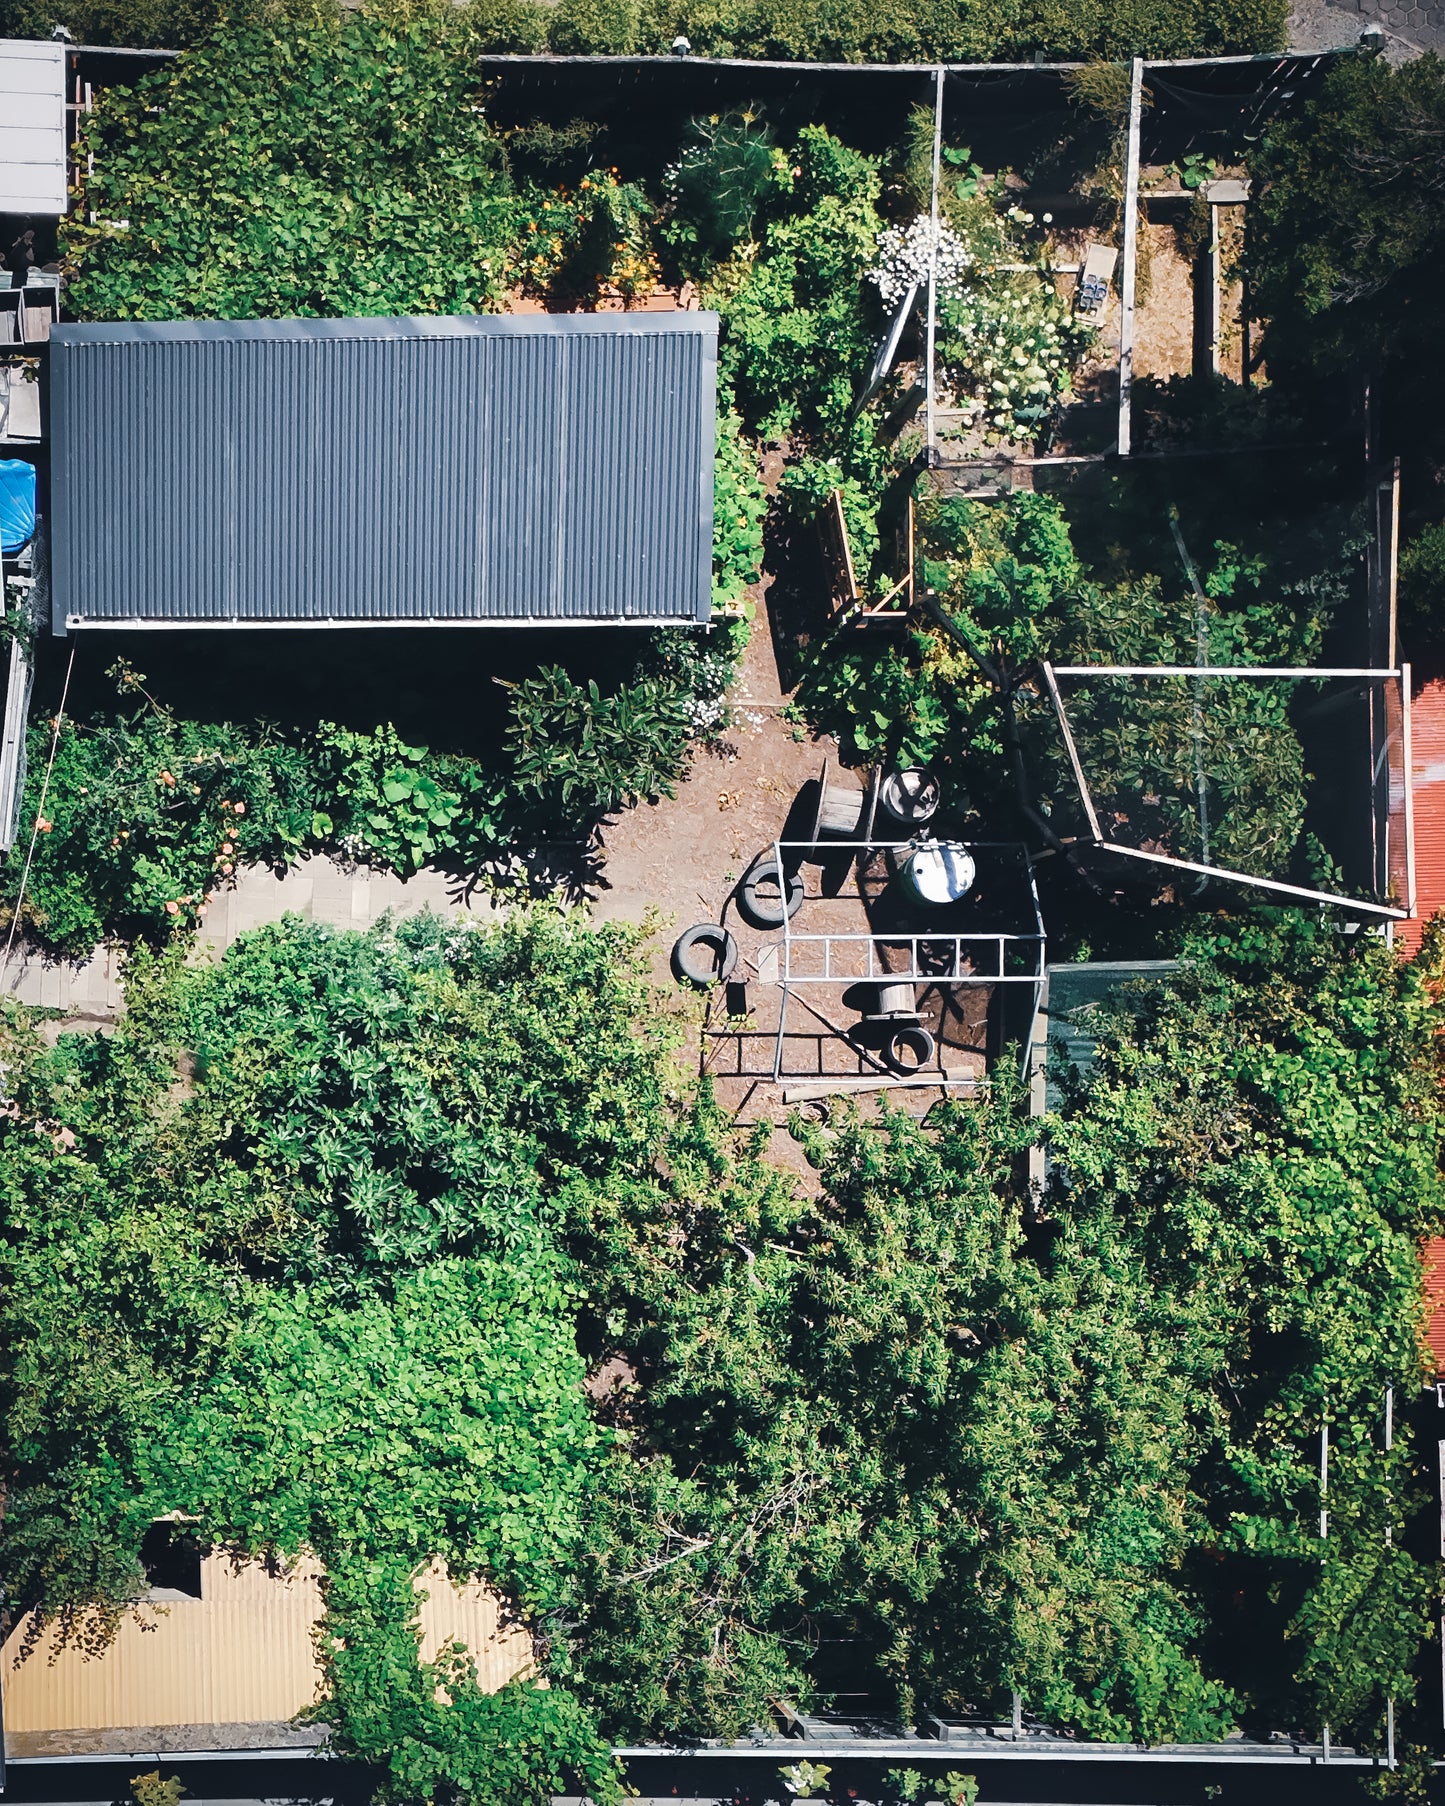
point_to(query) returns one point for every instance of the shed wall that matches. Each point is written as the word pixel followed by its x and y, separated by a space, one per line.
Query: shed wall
pixel 32 127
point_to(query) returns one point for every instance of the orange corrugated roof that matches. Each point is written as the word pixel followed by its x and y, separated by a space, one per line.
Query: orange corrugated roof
pixel 1432 1255
pixel 1427 766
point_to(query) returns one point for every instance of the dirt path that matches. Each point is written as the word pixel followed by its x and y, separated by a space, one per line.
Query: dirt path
pixel 684 854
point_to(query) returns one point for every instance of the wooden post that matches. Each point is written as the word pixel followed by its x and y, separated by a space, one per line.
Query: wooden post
pixel 1131 257
pixel 1214 282
pixel 933 261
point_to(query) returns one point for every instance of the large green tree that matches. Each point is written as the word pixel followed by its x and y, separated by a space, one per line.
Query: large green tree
pixel 319 1246
pixel 281 1254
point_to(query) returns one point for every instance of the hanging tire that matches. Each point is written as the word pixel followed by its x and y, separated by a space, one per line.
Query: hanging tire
pixel 908 1049
pixel 706 955
pixel 766 898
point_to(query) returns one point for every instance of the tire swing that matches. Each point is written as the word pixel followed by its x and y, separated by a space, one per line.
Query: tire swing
pixel 705 955
pixel 767 897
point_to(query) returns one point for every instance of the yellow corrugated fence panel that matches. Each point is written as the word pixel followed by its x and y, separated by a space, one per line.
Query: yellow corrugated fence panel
pixel 471 1614
pixel 243 1653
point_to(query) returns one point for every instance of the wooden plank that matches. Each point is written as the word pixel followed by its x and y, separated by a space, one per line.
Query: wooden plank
pixel 812 1090
pixel 1131 258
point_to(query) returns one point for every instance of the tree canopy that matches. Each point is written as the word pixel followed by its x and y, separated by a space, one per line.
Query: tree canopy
pixel 318 1247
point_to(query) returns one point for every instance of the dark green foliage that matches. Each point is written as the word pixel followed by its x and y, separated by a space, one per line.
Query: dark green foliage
pixel 340 165
pixel 160 24
pixel 797 333
pixel 145 817
pixel 594 27
pixel 328 1292
pixel 577 751
pixel 1348 252
pixel 739 504
pixel 958 30
pixel 1010 578
pixel 807 30
pixel 1267 1133
pixel 1422 578
pixel 992 1451
pixel 726 169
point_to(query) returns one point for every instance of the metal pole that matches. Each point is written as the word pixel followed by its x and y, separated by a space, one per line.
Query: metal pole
pixel 1324 1479
pixel 933 257
pixel 1389 1733
pixel 1131 256
pixel 1390 1528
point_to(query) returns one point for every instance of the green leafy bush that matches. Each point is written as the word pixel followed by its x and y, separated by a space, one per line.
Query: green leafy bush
pixel 337 164
pixel 808 30
pixel 313 1296
pixel 408 1175
pixel 1422 579
pixel 578 752
pixel 725 171
pixel 1010 578
pixel 595 27
pixel 739 505
pixel 796 332
pixel 146 817
pixel 861 1402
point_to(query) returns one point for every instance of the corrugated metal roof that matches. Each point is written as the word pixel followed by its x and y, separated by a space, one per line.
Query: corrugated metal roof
pixel 1427 767
pixel 1432 1255
pixel 477 468
pixel 32 127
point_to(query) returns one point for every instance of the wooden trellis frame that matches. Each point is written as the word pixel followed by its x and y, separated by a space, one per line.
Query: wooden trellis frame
pixel 848 599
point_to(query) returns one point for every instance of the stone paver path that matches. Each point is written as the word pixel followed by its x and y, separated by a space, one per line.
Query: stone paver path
pixel 318 889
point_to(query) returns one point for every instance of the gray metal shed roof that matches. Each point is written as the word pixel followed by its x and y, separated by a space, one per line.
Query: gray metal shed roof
pixel 509 469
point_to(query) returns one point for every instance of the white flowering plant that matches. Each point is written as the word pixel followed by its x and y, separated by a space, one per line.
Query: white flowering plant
pixel 1008 343
pixel 1007 354
pixel 906 256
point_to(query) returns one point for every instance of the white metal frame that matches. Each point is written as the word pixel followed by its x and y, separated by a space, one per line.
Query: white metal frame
pixel 1360 673
pixel 789 853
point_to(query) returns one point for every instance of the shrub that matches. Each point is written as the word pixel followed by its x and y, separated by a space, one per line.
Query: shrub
pixel 323 166
pixel 727 167
pixel 595 27
pixel 577 752
pixel 1422 580
pixel 147 816
pixel 739 504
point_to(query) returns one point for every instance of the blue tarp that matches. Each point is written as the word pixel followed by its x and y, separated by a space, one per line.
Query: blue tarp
pixel 17 504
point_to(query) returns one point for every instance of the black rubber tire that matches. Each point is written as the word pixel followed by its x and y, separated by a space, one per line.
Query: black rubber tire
pixel 706 955
pixel 908 1049
pixel 763 898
